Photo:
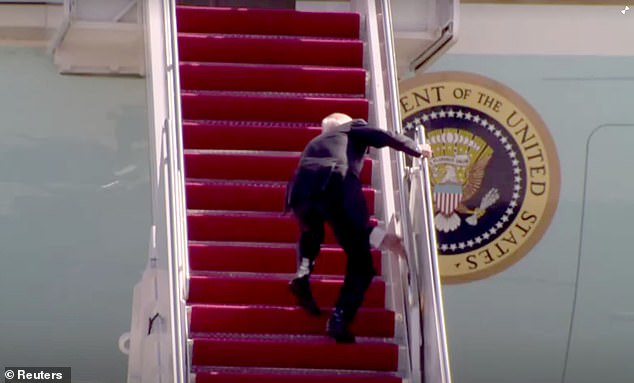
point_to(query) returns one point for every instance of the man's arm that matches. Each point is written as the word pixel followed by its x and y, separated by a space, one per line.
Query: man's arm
pixel 380 138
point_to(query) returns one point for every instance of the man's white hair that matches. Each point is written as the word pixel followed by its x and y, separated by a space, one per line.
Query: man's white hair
pixel 334 120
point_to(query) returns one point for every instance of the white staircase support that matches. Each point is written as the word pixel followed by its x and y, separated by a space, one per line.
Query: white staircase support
pixel 28 24
pixel 148 339
pixel 100 37
pixel 423 31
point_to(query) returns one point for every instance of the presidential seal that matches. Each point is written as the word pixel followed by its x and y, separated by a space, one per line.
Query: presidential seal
pixel 494 174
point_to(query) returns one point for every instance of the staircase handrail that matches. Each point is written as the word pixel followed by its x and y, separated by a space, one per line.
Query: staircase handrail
pixel 413 313
pixel 420 244
pixel 436 353
pixel 169 209
pixel 177 206
pixel 178 156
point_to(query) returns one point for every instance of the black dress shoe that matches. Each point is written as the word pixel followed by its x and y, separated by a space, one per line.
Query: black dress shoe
pixel 300 287
pixel 337 328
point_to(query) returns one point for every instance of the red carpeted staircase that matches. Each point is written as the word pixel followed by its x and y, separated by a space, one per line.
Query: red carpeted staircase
pixel 255 85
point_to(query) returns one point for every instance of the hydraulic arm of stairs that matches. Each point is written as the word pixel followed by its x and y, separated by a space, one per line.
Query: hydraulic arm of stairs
pixel 185 324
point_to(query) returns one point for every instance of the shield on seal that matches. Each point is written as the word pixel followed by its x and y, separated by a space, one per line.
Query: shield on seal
pixel 447 196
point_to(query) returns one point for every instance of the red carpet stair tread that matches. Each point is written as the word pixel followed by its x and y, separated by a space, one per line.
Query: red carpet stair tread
pixel 243 195
pixel 267 22
pixel 276 375
pixel 264 257
pixel 255 85
pixel 270 290
pixel 253 49
pixel 266 107
pixel 265 78
pixel 374 322
pixel 208 134
pixel 263 166
pixel 283 351
pixel 216 225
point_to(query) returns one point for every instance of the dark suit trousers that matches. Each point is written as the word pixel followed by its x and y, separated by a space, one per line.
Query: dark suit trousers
pixel 341 204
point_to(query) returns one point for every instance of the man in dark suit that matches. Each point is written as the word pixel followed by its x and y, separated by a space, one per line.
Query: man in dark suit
pixel 326 188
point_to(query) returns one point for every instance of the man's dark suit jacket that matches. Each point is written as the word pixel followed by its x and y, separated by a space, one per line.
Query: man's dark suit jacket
pixel 341 151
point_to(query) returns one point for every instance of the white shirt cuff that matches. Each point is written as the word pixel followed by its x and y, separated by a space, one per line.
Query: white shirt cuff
pixel 376 237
